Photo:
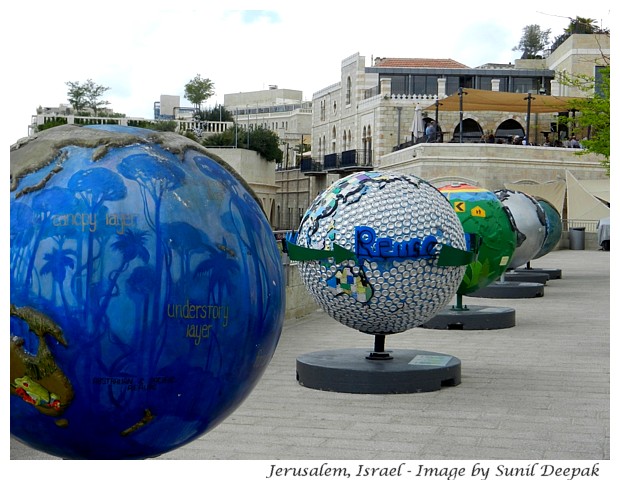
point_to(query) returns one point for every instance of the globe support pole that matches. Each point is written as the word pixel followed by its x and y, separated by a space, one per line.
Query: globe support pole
pixel 474 317
pixel 379 352
pixel 459 303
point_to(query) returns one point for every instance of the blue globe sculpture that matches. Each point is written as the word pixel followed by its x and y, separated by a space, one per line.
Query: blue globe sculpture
pixel 553 227
pixel 147 292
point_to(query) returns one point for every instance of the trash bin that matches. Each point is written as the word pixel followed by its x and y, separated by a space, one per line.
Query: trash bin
pixel 577 238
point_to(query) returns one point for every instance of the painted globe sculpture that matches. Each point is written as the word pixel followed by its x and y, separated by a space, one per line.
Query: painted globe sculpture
pixel 553 227
pixel 373 248
pixel 482 214
pixel 147 293
pixel 529 220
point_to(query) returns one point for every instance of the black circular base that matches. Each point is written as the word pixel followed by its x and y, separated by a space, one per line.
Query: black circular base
pixel 351 371
pixel 554 273
pixel 510 290
pixel 526 276
pixel 474 317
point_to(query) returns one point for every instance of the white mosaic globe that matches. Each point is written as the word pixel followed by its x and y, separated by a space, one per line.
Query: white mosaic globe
pixel 394 226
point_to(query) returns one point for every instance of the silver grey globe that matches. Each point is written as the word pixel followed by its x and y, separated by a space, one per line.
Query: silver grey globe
pixel 530 223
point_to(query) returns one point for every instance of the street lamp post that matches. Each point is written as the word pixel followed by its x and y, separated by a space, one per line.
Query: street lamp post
pixel 437 119
pixel 236 123
pixel 461 93
pixel 527 123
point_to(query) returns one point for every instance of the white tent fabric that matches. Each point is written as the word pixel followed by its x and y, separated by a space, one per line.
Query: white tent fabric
pixel 584 198
pixel 582 205
pixel 417 126
pixel 553 192
pixel 598 188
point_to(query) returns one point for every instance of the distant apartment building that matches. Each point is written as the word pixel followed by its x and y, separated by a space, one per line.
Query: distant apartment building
pixel 280 110
pixel 169 108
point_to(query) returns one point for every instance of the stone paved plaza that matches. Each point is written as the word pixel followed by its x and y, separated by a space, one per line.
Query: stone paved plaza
pixel 537 391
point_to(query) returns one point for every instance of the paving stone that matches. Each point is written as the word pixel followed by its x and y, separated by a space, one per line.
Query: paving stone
pixel 537 391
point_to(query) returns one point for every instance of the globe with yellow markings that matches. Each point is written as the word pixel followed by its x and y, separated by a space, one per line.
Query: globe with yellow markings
pixel 482 214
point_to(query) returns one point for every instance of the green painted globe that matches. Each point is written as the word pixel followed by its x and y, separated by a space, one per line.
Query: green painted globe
pixel 481 213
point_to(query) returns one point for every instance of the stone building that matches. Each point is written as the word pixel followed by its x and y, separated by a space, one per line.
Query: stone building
pixel 366 121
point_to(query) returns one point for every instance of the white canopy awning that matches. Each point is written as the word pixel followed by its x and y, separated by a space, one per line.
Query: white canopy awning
pixel 584 198
pixel 582 205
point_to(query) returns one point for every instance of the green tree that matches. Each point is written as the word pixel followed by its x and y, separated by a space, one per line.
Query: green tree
pixel 582 25
pixel 164 126
pixel 261 140
pixel 578 25
pixel 224 139
pixel 93 95
pixel 216 114
pixel 86 95
pixel 594 112
pixel 76 95
pixel 266 142
pixel 533 41
pixel 198 90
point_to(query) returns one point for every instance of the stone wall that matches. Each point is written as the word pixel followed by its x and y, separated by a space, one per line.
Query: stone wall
pixel 256 171
pixel 491 166
pixel 298 301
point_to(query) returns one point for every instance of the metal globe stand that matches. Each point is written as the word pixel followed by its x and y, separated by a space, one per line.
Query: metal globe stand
pixel 468 317
pixel 356 370
pixel 530 276
pixel 513 289
pixel 553 273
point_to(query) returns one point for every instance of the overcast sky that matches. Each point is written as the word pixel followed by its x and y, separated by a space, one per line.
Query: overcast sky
pixel 142 49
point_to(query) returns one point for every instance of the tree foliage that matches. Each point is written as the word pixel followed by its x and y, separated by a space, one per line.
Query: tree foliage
pixel 86 95
pixel 577 25
pixel 533 41
pixel 594 112
pixel 216 114
pixel 198 90
pixel 582 25
pixel 261 140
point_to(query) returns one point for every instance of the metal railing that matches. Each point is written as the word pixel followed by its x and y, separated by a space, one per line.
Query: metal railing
pixel 589 225
pixel 331 161
pixel 309 165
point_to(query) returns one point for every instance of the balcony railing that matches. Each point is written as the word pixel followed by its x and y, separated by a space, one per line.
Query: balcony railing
pixel 355 160
pixel 311 167
pixel 331 161
pixel 344 162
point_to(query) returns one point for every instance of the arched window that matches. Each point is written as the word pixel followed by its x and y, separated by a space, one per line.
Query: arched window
pixel 508 129
pixel 366 146
pixel 348 95
pixel 472 131
pixel 333 140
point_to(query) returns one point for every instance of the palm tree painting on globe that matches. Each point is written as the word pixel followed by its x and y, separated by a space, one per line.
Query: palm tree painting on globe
pixel 156 177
